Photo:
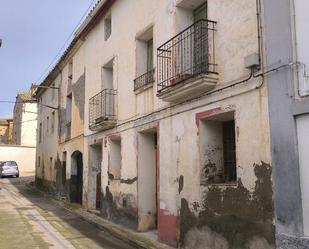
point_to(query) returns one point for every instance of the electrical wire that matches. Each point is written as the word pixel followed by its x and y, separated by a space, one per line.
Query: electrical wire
pixel 27 121
pixel 28 102
pixel 252 75
pixel 67 42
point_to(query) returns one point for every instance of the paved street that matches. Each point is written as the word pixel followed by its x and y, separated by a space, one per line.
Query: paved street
pixel 28 220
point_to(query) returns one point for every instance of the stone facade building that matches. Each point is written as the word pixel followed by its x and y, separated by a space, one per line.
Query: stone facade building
pixel 6 128
pixel 157 115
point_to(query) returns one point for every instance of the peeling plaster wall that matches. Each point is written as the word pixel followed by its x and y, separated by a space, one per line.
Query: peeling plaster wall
pixel 55 144
pixel 70 147
pixel 48 148
pixel 179 161
pixel 186 209
pixel 120 194
pixel 78 92
pixel 180 171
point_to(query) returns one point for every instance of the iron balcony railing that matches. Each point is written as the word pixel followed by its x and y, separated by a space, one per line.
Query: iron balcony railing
pixel 144 80
pixel 102 107
pixel 186 55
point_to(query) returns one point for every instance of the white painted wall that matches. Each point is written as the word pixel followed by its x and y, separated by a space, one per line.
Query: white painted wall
pixel 24 156
pixel 29 125
pixel 302 41
pixel 303 148
pixel 236 38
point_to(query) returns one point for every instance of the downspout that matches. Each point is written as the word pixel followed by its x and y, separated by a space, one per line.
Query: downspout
pixel 259 28
pixel 293 9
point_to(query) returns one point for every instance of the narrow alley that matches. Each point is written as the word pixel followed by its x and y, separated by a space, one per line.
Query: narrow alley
pixel 29 219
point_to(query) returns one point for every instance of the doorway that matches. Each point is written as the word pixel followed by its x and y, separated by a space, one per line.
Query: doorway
pixel 98 192
pixel 76 187
pixel 147 180
pixel 302 126
pixel 94 175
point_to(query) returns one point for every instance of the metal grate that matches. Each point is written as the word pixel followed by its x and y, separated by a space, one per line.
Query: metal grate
pixel 188 54
pixel 229 151
pixel 102 107
pixel 144 80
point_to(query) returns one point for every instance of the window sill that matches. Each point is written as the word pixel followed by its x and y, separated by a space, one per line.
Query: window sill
pixel 224 184
pixel 143 88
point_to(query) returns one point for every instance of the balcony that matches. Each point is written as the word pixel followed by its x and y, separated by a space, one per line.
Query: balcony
pixel 102 114
pixel 186 63
pixel 144 81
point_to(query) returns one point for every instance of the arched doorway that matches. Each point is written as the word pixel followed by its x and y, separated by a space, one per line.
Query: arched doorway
pixel 76 187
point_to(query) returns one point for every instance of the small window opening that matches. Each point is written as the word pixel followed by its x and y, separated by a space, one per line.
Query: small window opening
pixel 115 158
pixel 53 122
pixel 47 124
pixel 218 149
pixel 107 28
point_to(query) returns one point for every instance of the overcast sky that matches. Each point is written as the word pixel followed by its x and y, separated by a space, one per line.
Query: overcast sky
pixel 33 32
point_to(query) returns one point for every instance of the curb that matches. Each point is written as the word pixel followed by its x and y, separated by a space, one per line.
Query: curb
pixel 130 237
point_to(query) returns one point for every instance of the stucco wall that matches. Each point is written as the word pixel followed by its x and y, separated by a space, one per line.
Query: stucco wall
pixel 286 46
pixel 187 212
pixel 24 156
pixel 179 153
pixel 28 125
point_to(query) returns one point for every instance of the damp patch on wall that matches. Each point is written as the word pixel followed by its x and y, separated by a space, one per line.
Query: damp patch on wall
pixel 232 216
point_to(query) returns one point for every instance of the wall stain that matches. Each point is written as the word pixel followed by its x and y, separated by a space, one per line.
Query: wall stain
pixel 128 181
pixel 78 90
pixel 62 122
pixel 126 216
pixel 180 182
pixel 234 212
pixel 110 176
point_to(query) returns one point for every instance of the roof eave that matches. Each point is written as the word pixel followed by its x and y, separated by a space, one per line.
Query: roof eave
pixel 101 9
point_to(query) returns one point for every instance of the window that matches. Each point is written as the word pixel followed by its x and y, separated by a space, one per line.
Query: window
pixel 39 162
pixel 218 149
pixel 69 109
pixel 70 73
pixel 107 83
pixel 107 28
pixel 9 163
pixel 68 117
pixel 149 55
pixel 115 158
pixel 53 91
pixel 144 58
pixel 64 167
pixel 39 105
pixel 53 122
pixel 51 163
pixel 47 124
pixel 40 133
pixel 108 75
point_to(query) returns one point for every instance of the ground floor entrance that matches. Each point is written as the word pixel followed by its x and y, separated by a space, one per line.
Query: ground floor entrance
pixel 148 180
pixel 76 186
